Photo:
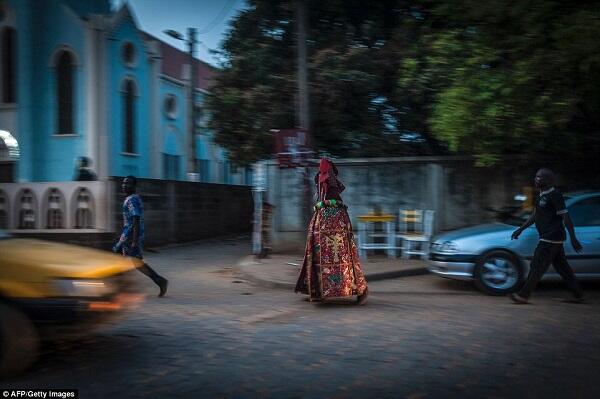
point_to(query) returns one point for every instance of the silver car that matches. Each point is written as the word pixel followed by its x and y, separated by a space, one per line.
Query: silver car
pixel 499 265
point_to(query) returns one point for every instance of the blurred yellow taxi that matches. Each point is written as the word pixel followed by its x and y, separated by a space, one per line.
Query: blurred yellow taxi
pixel 50 290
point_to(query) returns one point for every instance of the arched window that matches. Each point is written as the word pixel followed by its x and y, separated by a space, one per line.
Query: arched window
pixel 3 211
pixel 27 216
pixel 3 219
pixel 129 116
pixel 128 54
pixel 172 150
pixel 84 216
pixel 65 92
pixel 170 105
pixel 55 213
pixel 9 60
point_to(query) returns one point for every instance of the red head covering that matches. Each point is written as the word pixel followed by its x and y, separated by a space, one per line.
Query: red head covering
pixel 326 180
pixel 326 168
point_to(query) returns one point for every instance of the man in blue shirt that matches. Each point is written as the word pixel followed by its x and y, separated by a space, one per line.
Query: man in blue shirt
pixel 550 216
pixel 131 241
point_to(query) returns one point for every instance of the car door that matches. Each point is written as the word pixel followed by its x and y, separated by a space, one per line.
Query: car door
pixel 585 215
pixel 525 245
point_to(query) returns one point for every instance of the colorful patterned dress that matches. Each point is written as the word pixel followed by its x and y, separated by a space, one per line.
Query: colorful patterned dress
pixel 331 267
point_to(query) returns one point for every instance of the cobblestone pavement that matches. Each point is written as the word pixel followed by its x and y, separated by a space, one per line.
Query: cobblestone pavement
pixel 217 336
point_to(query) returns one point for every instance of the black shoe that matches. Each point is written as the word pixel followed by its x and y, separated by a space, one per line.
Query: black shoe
pixel 518 299
pixel 163 284
pixel 361 299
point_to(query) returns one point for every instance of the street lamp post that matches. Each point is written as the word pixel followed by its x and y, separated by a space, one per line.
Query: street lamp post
pixel 191 42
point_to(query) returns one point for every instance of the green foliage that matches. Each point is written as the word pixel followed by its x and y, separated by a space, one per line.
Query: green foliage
pixel 419 77
pixel 511 78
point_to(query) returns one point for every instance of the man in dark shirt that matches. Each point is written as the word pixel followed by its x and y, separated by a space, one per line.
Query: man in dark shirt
pixel 550 216
pixel 83 172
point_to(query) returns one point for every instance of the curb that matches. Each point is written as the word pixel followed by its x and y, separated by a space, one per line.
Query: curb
pixel 416 271
pixel 241 268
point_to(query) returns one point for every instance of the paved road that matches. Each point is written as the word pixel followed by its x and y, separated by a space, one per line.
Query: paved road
pixel 217 336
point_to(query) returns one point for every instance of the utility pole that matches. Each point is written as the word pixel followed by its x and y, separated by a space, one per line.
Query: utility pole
pixel 191 169
pixel 303 111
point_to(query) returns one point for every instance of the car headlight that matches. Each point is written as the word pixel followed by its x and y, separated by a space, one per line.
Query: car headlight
pixel 447 247
pixel 83 287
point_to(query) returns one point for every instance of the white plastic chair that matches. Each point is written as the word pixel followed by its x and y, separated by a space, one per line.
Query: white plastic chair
pixel 410 222
pixel 366 234
pixel 422 222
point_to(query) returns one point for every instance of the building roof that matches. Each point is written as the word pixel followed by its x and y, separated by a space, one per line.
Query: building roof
pixel 173 61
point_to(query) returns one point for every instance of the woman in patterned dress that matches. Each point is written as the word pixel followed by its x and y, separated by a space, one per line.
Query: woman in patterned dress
pixel 331 267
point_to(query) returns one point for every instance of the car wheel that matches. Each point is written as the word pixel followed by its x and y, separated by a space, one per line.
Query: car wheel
pixel 498 273
pixel 19 341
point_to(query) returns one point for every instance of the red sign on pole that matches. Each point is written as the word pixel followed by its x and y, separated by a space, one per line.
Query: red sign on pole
pixel 293 147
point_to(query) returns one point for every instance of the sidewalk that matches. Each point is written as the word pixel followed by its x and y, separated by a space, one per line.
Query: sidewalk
pixel 281 271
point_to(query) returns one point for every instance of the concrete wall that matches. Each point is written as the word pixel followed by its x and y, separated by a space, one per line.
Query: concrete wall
pixel 176 211
pixel 459 192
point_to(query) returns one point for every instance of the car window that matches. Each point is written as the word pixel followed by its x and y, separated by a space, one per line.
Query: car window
pixel 4 234
pixel 586 212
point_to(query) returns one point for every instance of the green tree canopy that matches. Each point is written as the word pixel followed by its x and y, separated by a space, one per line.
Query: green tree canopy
pixel 418 77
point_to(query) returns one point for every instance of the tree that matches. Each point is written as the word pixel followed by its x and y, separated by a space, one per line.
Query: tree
pixel 419 77
pixel 510 77
pixel 351 77
pixel 253 90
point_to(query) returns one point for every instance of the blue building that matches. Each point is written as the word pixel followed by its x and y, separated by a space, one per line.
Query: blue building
pixel 80 80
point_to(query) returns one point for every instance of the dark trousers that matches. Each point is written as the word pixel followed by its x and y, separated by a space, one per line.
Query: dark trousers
pixel 547 253
pixel 148 271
